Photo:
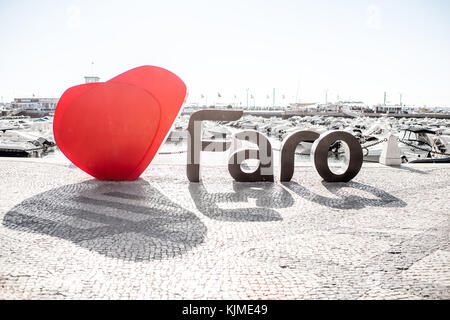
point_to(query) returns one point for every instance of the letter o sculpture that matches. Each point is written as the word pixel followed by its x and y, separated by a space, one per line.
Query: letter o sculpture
pixel 319 152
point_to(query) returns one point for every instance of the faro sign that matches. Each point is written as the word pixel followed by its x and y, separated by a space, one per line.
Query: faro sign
pixel 264 152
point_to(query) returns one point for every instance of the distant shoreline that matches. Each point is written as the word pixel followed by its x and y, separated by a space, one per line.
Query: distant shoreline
pixel 274 113
pixel 289 114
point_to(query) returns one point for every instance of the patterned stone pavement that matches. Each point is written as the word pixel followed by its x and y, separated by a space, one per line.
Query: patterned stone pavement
pixel 63 235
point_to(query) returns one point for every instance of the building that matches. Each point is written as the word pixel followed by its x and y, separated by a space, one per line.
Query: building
pixel 389 109
pixel 91 79
pixel 303 107
pixel 38 104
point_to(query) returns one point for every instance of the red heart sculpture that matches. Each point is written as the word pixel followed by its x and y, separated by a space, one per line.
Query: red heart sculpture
pixel 112 130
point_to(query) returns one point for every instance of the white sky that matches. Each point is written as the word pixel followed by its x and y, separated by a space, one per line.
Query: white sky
pixel 356 49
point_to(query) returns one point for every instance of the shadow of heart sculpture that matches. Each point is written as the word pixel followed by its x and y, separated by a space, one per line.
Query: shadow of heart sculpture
pixel 127 220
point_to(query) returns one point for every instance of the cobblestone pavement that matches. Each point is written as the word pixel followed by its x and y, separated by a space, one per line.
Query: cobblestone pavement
pixel 63 235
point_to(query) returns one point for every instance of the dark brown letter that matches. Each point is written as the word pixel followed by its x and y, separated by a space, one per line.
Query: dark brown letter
pixel 195 142
pixel 288 151
pixel 319 152
pixel 264 172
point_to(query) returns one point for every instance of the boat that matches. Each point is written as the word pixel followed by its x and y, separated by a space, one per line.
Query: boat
pixel 25 137
pixel 33 148
pixel 419 143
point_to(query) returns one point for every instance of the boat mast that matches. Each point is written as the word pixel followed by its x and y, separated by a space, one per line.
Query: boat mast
pixel 273 98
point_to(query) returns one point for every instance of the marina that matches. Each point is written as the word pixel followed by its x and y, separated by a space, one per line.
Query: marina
pixel 419 139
